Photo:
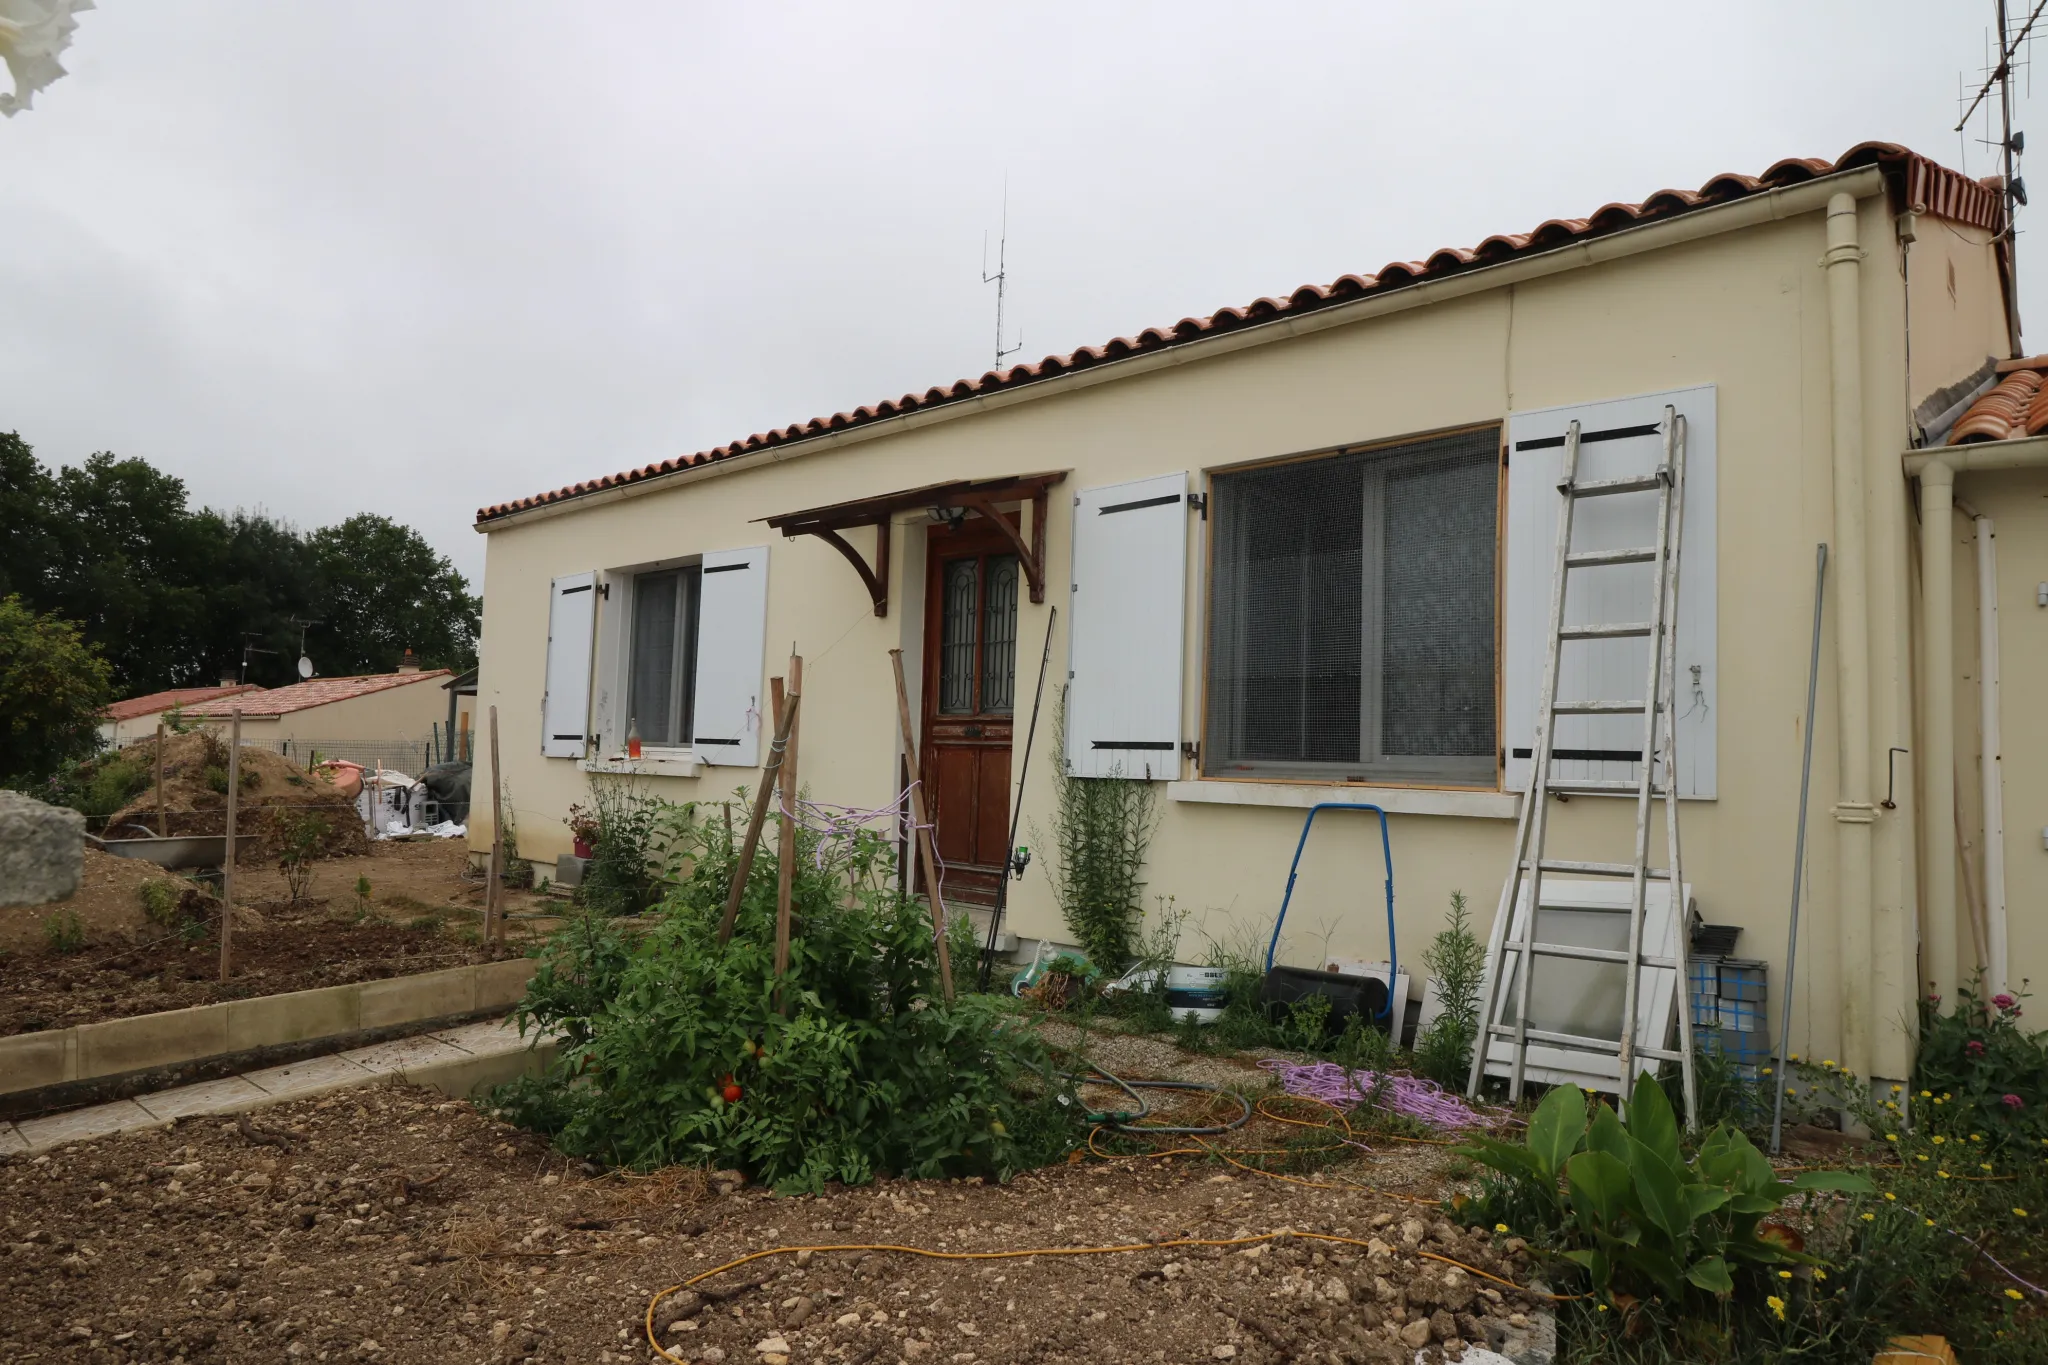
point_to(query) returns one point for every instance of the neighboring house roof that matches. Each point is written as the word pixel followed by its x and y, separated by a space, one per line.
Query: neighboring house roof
pixel 177 698
pixel 304 696
pixel 1918 184
pixel 2016 406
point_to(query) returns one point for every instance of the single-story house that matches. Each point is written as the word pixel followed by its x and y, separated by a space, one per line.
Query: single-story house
pixel 136 718
pixel 1301 552
pixel 392 719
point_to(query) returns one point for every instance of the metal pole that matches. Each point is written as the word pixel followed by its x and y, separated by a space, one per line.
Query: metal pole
pixel 995 919
pixel 227 870
pixel 494 928
pixel 1820 578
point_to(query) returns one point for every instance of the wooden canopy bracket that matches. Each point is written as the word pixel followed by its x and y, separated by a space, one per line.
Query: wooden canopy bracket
pixel 876 578
pixel 981 496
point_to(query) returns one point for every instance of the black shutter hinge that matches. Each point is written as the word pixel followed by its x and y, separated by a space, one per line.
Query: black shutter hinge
pixel 1200 503
pixel 1191 750
pixel 604 590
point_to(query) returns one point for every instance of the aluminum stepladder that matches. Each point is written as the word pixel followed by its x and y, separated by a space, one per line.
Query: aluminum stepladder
pixel 1531 865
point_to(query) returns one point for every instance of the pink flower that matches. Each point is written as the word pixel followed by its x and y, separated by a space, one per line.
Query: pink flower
pixel 2013 1102
pixel 2003 1001
pixel 1974 1048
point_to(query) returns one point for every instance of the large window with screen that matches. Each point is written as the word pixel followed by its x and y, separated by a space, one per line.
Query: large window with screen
pixel 1351 626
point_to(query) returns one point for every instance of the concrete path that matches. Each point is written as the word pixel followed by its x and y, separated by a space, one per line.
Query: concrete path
pixel 455 1061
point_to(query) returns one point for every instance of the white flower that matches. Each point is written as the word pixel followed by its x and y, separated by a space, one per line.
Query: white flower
pixel 32 33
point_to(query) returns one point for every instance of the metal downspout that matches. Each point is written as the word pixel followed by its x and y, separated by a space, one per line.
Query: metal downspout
pixel 1854 813
pixel 1993 759
pixel 1938 723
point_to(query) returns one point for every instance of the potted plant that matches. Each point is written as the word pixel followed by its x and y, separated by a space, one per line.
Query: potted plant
pixel 583 830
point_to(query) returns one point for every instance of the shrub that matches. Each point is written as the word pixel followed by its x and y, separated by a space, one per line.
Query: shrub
pixel 1982 1072
pixel 1457 959
pixel 160 901
pixel 620 879
pixel 299 836
pixel 1101 827
pixel 63 932
pixel 675 1050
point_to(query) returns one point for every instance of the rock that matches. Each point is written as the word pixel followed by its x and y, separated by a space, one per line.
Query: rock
pixel 914 1348
pixel 1383 1290
pixel 772 1346
pixel 1443 1326
pixel 847 1320
pixel 1382 1220
pixel 799 1313
pixel 1457 1291
pixel 1416 1334
pixel 1516 1247
pixel 711 1355
pixel 1224 1352
pixel 1470 1328
pixel 804 1257
pixel 42 851
pixel 500 1330
pixel 1413 1231
pixel 682 1325
pixel 1336 1291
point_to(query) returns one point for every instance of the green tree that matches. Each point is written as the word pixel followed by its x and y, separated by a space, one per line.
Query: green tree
pixel 384 590
pixel 26 495
pixel 53 687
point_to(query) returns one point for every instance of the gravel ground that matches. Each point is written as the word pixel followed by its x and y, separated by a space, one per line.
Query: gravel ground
pixel 388 1225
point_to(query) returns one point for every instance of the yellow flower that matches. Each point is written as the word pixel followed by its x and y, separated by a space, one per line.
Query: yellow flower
pixel 1790 1091
pixel 1930 1222
pixel 1926 1094
pixel 1793 1058
pixel 1983 1165
pixel 1889 1195
pixel 1500 1227
pixel 1976 1137
pixel 1898 1089
pixel 2014 1294
pixel 1948 1094
pixel 1891 1137
pixel 1603 1308
pixel 1829 1062
pixel 1767 1070
pixel 1870 1218
pixel 1942 1174
pixel 1938 1139
pixel 1941 1099
pixel 1784 1274
pixel 1819 1274
pixel 1777 1306
pixel 1919 1156
pixel 2019 1213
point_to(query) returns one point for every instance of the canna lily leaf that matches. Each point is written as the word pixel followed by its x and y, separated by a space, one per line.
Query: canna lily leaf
pixel 1711 1275
pixel 1556 1128
pixel 1657 1187
pixel 1650 1120
pixel 1600 1184
pixel 1607 1135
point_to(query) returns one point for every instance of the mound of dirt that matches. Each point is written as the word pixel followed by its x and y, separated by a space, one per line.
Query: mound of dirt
pixel 275 793
pixel 108 902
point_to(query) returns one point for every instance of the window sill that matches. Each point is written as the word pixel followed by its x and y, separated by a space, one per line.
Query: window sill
pixel 1485 805
pixel 668 763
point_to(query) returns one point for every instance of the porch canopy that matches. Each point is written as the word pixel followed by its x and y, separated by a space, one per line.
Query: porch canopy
pixel 967 495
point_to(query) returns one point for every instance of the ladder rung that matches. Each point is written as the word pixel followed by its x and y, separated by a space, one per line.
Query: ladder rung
pixel 1634 483
pixel 1594 786
pixel 1614 631
pixel 1588 954
pixel 1598 708
pixel 1655 874
pixel 1589 559
pixel 1606 1045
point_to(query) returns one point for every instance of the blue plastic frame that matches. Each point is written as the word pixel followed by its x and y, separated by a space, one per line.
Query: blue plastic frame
pixel 1386 847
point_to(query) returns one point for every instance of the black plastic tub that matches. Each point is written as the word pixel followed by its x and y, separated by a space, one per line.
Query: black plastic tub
pixel 1348 995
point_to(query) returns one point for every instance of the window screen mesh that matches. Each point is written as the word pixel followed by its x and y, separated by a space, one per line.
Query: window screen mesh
pixel 651 704
pixel 1352 624
pixel 999 636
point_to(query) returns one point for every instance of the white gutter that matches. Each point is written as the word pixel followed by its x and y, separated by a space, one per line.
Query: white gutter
pixel 1993 759
pixel 1751 211
pixel 1854 813
pixel 1936 470
pixel 1938 725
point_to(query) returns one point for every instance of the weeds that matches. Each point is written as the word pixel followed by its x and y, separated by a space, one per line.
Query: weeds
pixel 1457 959
pixel 620 879
pixel 1101 827
pixel 160 901
pixel 362 906
pixel 299 836
pixel 63 933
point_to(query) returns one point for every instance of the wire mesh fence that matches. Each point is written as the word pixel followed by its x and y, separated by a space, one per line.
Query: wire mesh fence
pixel 410 756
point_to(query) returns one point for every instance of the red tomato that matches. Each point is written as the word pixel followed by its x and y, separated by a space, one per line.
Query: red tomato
pixel 732 1094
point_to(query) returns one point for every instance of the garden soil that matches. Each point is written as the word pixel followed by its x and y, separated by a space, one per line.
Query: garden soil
pixel 388 1225
pixel 108 904
pixel 272 786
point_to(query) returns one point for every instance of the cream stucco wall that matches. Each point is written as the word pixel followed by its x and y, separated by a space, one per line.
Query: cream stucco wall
pixel 408 712
pixel 1745 311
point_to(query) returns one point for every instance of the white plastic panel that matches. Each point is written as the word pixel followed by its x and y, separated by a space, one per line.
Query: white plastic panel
pixel 1125 630
pixel 565 705
pixel 1570 995
pixel 1609 669
pixel 732 624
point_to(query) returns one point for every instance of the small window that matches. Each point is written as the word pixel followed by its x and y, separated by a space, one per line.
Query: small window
pixel 1351 635
pixel 662 668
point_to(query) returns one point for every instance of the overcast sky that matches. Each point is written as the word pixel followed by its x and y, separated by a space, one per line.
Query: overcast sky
pixel 415 258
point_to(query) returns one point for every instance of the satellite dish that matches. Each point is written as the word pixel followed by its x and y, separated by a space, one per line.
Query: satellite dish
pixel 305 667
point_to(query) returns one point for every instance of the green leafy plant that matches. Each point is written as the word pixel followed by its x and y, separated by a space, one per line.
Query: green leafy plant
pixel 299 836
pixel 1457 960
pixel 63 932
pixel 676 1051
pixel 624 826
pixel 1095 856
pixel 160 901
pixel 362 897
pixel 1989 1074
pixel 1641 1219
pixel 216 778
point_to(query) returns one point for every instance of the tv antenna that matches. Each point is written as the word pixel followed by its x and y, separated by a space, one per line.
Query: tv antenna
pixel 2015 52
pixel 1001 278
pixel 305 660
pixel 247 650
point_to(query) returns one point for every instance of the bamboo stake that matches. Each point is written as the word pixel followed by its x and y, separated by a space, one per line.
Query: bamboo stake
pixel 926 854
pixel 161 831
pixel 494 928
pixel 227 871
pixel 754 823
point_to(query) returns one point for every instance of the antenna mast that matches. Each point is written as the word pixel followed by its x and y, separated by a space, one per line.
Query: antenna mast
pixel 2010 145
pixel 1001 278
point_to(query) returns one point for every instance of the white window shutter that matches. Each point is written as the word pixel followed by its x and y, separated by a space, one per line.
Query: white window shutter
pixel 1595 669
pixel 732 626
pixel 565 705
pixel 1125 629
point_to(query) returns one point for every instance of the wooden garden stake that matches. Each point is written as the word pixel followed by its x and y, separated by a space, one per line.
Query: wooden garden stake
pixel 494 927
pixel 926 854
pixel 755 821
pixel 161 831
pixel 227 870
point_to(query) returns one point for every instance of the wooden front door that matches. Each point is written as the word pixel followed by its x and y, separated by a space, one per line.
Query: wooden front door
pixel 970 693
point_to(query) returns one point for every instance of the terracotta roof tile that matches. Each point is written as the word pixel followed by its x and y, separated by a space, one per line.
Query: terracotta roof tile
pixel 176 697
pixel 2017 406
pixel 316 692
pixel 1917 183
